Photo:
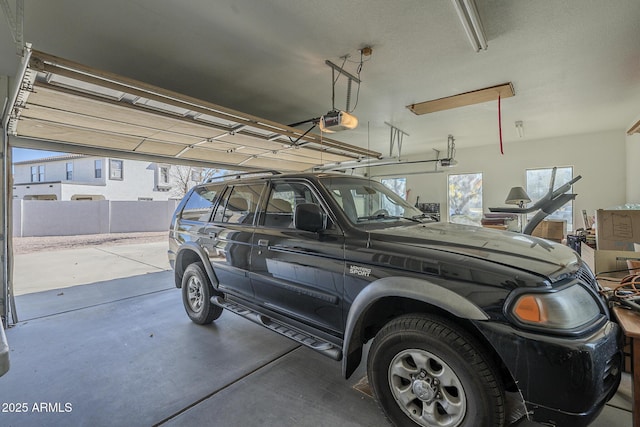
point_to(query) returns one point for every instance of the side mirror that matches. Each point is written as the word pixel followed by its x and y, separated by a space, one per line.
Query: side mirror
pixel 309 217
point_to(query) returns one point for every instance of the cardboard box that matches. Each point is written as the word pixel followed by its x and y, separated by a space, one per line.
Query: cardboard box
pixel 617 230
pixel 551 229
pixel 609 265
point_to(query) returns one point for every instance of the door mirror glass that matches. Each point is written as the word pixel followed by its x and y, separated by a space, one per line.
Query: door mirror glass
pixel 309 217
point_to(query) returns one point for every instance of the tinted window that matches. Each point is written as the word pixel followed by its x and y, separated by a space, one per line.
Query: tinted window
pixel 239 204
pixel 200 203
pixel 283 199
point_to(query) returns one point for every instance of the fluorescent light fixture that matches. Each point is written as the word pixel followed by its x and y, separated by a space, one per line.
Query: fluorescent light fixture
pixel 520 128
pixel 478 96
pixel 468 14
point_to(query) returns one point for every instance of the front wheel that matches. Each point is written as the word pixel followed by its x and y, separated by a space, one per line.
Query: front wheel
pixel 427 371
pixel 196 295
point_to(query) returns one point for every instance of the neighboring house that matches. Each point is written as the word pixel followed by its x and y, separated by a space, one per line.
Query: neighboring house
pixel 81 177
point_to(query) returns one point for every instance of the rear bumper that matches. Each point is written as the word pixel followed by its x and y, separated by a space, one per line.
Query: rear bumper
pixel 563 380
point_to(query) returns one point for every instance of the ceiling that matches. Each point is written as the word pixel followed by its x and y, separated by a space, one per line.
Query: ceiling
pixel 574 64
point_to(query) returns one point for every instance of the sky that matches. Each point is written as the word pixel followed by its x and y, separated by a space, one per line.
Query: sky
pixel 24 154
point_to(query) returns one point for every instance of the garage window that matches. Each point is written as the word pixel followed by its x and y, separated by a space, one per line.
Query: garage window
pixel 465 198
pixel 398 185
pixel 538 185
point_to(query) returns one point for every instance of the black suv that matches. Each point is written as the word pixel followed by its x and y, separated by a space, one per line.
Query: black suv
pixel 459 316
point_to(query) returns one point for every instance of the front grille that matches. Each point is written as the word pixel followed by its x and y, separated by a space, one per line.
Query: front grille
pixel 585 275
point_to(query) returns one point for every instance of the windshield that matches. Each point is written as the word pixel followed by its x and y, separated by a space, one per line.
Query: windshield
pixel 367 201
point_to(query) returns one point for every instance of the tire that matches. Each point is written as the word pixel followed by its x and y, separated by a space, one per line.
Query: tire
pixel 196 295
pixel 426 371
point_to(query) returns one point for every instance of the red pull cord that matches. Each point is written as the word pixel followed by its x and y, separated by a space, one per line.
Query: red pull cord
pixel 500 125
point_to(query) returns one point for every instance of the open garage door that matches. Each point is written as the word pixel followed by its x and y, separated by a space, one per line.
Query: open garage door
pixel 64 102
pixel 60 105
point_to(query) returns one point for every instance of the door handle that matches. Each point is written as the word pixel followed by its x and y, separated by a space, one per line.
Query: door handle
pixel 263 242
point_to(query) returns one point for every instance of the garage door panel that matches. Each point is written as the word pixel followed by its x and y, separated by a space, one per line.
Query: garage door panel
pixel 58 132
pixel 82 105
pixel 237 145
pixel 174 138
pixel 198 153
pixel 105 126
pixel 276 164
pixel 124 118
pixel 272 149
pixel 309 157
pixel 196 130
pixel 251 142
pixel 315 156
pixel 59 116
pixel 154 147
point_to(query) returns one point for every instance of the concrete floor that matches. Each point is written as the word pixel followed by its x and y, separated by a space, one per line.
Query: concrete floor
pixel 122 352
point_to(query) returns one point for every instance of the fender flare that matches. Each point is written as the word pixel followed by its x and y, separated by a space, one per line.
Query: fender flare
pixel 202 254
pixel 403 287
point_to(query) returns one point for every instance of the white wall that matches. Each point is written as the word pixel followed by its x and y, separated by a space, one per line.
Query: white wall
pixel 633 168
pixel 600 158
pixel 129 217
pixel 69 218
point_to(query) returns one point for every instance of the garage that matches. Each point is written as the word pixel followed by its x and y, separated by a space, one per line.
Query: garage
pixel 471 111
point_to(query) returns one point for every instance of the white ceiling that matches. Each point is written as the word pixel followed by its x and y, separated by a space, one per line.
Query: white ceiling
pixel 574 64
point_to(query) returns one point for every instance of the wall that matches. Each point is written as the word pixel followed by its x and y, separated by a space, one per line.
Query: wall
pixel 599 157
pixel 141 216
pixel 68 218
pixel 633 168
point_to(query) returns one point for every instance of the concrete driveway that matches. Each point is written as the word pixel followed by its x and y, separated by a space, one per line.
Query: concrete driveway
pixel 57 269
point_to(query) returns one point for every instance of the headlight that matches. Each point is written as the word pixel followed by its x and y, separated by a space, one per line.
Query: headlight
pixel 566 309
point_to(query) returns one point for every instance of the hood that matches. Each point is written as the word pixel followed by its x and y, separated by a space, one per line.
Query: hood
pixel 516 250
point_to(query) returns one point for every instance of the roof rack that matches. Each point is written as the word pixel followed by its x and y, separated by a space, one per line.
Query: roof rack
pixel 243 175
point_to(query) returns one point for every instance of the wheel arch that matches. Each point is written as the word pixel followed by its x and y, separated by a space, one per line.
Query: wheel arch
pixel 391 297
pixel 187 255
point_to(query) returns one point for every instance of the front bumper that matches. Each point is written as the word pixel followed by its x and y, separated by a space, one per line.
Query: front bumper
pixel 563 380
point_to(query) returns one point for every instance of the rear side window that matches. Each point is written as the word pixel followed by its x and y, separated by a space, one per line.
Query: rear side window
pixel 239 204
pixel 200 203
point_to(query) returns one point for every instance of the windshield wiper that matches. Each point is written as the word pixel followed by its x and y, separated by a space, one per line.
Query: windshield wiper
pixel 385 216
